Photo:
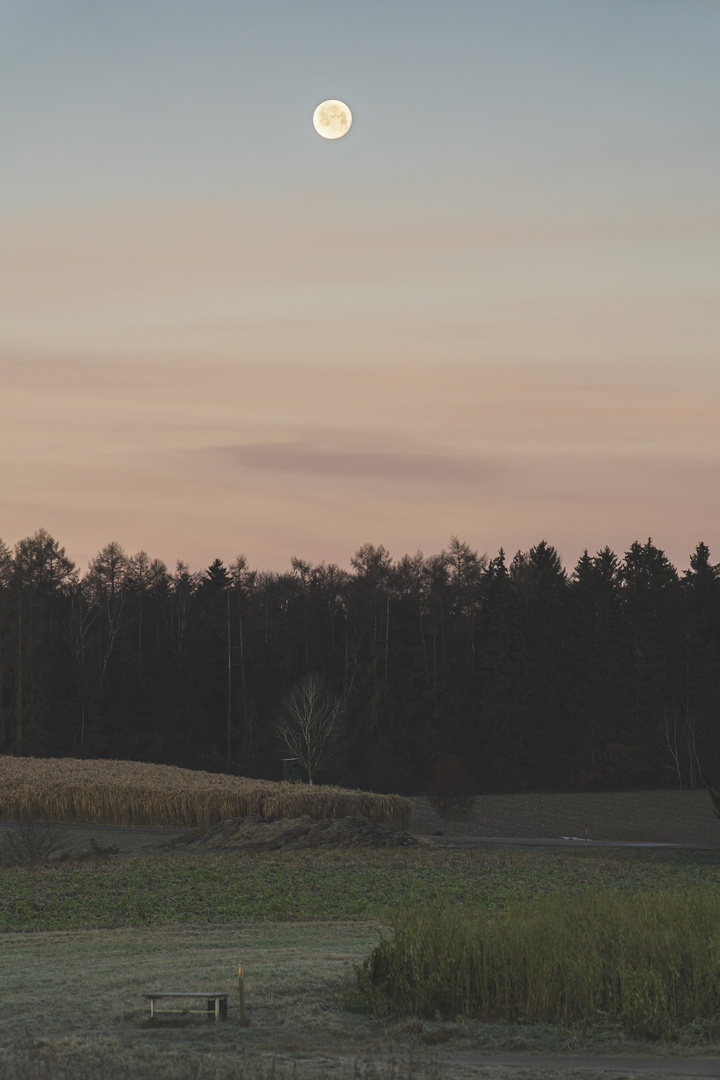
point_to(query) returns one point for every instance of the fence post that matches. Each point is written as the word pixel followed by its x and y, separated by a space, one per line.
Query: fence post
pixel 241 994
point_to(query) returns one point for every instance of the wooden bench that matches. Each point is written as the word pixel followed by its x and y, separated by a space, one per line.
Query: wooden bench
pixel 216 1003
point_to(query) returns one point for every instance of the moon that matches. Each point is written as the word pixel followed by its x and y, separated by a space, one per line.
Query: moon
pixel 332 119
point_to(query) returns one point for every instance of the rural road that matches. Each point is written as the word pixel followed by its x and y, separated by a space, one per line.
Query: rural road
pixel 144 840
pixel 563 841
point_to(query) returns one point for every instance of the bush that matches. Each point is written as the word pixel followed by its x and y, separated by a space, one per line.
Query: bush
pixel 650 961
pixel 28 844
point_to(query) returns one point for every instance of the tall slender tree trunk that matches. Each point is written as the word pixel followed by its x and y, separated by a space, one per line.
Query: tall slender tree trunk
pixel 229 678
pixel 346 668
pixel 247 734
pixel 305 626
pixel 425 652
pixel 140 662
pixel 687 676
pixel 434 652
pixel 2 712
pixel 19 695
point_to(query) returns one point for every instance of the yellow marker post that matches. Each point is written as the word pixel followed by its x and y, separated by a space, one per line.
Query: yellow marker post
pixel 241 994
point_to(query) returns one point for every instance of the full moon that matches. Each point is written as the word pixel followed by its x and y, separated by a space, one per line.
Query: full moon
pixel 332 119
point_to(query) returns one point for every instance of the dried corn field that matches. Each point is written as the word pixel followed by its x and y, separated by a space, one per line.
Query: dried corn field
pixel 134 793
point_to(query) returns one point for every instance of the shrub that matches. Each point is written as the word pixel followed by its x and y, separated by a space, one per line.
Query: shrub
pixel 651 961
pixel 29 843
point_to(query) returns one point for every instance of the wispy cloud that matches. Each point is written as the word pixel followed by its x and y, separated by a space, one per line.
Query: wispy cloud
pixel 309 458
pixel 593 474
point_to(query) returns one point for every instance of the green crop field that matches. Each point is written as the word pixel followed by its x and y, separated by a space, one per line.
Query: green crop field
pixel 225 887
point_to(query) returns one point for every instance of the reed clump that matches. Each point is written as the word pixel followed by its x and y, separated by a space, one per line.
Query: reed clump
pixel 97 792
pixel 649 961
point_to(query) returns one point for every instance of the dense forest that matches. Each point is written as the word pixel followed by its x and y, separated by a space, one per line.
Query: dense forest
pixel 536 679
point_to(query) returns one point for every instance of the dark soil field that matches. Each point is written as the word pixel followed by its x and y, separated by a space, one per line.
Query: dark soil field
pixel 668 817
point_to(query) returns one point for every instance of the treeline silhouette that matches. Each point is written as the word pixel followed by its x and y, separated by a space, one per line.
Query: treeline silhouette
pixel 535 679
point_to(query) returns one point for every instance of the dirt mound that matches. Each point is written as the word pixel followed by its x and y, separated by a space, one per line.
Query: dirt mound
pixel 271 834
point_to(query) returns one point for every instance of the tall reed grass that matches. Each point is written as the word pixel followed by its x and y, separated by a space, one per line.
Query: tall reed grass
pixel 97 792
pixel 650 961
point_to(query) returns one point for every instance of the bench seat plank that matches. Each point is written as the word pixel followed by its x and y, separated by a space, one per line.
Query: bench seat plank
pixel 189 993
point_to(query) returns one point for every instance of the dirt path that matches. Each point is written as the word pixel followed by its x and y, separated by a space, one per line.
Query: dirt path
pixel 466 1066
pixel 609 1065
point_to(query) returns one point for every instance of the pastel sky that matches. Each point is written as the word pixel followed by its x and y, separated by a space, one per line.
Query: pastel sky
pixel 491 310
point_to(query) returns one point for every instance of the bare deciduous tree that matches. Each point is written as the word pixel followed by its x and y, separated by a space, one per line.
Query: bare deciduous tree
pixel 29 843
pixel 308 723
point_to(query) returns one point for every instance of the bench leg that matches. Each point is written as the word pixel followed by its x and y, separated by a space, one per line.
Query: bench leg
pixel 217 1008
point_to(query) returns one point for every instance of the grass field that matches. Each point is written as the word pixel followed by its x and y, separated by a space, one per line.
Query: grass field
pixel 76 997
